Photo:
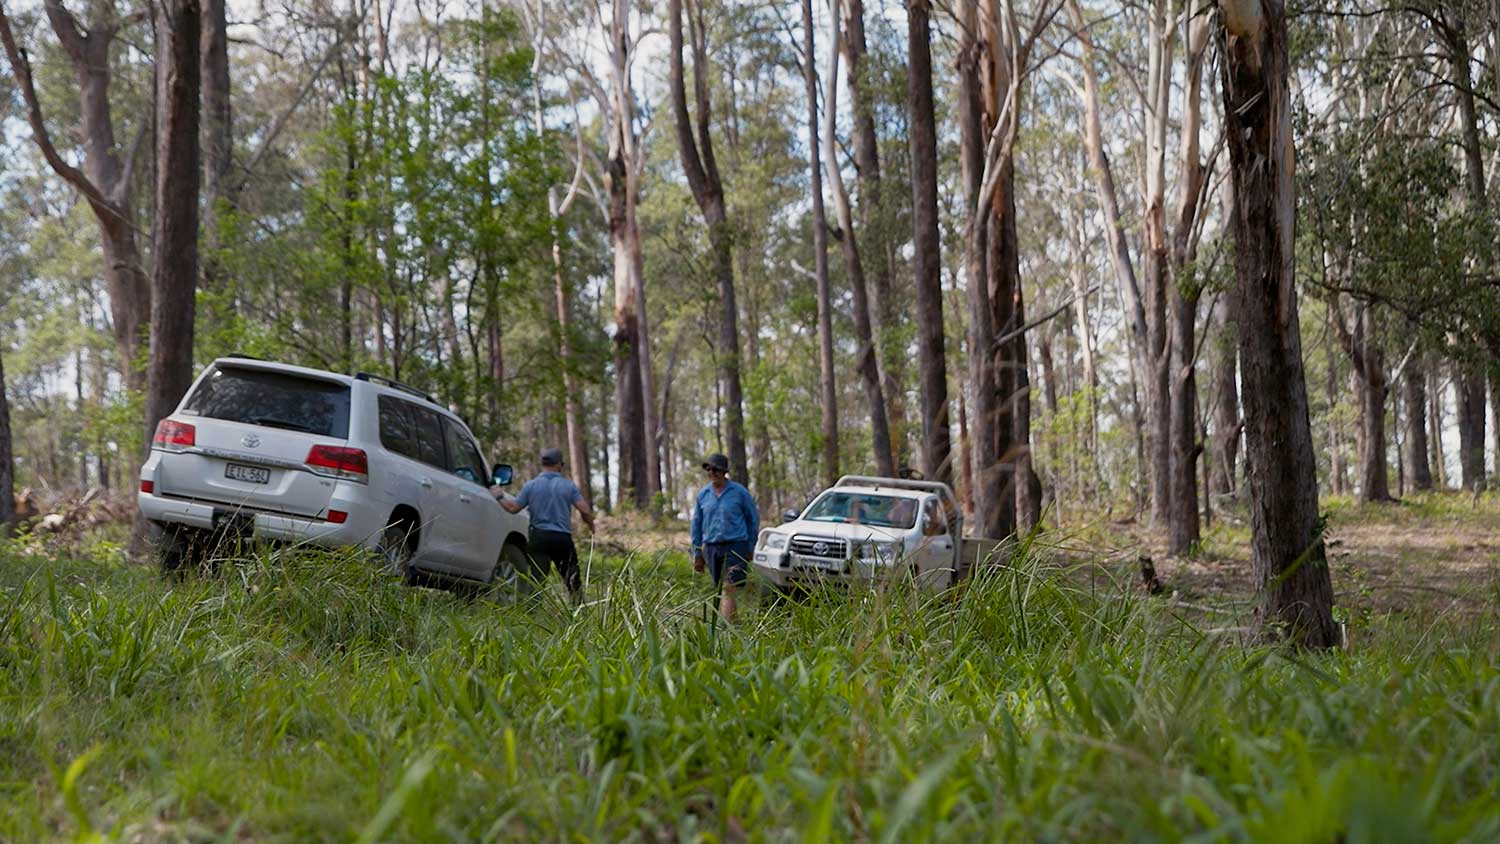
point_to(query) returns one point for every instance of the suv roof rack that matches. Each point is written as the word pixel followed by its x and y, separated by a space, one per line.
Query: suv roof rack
pixel 394 384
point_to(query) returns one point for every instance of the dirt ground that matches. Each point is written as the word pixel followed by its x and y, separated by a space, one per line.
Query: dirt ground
pixel 1434 553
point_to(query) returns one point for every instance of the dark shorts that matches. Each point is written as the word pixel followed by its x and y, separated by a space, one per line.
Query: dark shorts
pixel 733 556
pixel 550 547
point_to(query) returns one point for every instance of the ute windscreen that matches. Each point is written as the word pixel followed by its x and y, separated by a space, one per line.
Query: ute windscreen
pixel 273 400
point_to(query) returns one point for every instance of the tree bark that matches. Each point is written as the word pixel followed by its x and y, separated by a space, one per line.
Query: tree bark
pixel 702 171
pixel 1414 401
pixel 1289 560
pixel 105 181
pixel 868 364
pixel 827 393
pixel 169 370
pixel 937 461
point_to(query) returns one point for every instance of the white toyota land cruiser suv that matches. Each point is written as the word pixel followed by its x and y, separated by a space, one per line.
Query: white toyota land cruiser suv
pixel 270 451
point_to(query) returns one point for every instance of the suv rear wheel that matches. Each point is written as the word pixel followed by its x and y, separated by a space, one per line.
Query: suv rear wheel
pixel 178 550
pixel 398 545
pixel 509 569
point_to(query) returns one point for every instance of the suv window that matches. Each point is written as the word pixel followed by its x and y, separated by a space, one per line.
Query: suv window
pixel 396 432
pixel 463 458
pixel 429 430
pixel 274 400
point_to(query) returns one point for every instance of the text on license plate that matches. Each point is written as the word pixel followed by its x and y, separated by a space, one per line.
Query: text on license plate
pixel 252 474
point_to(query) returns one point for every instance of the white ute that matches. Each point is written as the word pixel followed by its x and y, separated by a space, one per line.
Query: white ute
pixel 270 451
pixel 867 529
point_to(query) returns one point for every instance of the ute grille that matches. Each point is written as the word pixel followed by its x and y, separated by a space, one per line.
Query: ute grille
pixel 820 547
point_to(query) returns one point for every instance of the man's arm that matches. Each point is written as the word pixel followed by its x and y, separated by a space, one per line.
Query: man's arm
pixel 697 541
pixel 511 505
pixel 585 511
pixel 752 516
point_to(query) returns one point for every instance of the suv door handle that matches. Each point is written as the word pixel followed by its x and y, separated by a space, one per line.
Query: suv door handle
pixel 425 482
pixel 464 498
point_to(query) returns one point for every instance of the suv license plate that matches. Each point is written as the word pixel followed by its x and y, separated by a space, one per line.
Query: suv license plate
pixel 252 474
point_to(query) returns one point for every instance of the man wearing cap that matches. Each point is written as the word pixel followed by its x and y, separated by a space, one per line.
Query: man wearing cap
pixel 550 497
pixel 725 524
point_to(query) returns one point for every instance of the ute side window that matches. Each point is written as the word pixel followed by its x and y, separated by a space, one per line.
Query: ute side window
pixel 934 518
pixel 428 426
pixel 463 456
pixel 396 432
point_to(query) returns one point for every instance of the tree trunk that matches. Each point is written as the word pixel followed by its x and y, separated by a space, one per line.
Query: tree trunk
pixel 1289 561
pixel 868 360
pixel 1223 478
pixel 1472 407
pixel 7 460
pixel 927 246
pixel 874 237
pixel 702 171
pixel 218 138
pixel 990 510
pixel 169 370
pixel 1470 382
pixel 1435 424
pixel 1368 370
pixel 1414 401
pixel 1183 523
pixel 827 393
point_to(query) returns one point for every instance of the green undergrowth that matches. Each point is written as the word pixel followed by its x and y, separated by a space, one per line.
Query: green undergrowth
pixel 308 697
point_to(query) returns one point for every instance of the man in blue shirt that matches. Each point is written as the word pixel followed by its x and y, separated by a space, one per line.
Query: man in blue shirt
pixel 725 525
pixel 551 497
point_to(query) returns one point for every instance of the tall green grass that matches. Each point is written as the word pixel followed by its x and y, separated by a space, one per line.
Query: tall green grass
pixel 306 697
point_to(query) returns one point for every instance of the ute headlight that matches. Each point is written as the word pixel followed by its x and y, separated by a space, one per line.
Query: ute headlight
pixel 774 542
pixel 879 552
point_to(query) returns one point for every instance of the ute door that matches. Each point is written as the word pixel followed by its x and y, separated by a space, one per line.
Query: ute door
pixel 479 536
pixel 934 558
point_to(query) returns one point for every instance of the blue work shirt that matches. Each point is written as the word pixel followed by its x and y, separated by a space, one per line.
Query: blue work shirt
pixel 729 516
pixel 549 496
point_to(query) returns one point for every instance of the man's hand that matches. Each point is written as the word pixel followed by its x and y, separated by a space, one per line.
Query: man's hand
pixel 699 564
pixel 498 492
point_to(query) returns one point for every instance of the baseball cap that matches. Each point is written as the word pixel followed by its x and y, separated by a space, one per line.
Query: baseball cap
pixel 717 461
pixel 552 457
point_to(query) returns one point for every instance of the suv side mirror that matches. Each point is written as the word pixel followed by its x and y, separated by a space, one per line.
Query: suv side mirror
pixel 789 516
pixel 503 474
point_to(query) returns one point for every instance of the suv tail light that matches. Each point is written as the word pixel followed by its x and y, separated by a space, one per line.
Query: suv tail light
pixel 172 435
pixel 338 461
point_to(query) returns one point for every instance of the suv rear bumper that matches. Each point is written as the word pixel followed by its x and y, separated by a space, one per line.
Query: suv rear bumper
pixel 358 529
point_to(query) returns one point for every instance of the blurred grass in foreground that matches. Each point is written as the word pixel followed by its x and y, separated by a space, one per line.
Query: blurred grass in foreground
pixel 307 697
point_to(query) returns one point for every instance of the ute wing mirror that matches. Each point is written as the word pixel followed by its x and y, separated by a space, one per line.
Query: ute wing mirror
pixel 503 474
pixel 789 516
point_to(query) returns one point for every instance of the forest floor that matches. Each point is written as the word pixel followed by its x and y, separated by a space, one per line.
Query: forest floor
pixel 306 696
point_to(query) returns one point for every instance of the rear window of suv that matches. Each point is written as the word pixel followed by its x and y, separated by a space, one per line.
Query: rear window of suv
pixel 273 400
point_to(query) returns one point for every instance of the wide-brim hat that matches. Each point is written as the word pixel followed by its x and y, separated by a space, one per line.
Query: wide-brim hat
pixel 717 461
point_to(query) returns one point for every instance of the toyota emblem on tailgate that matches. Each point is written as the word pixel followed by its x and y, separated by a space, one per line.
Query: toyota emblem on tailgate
pixel 821 549
pixel 250 441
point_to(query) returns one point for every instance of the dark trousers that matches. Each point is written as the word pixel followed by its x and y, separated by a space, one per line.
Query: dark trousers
pixel 551 547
